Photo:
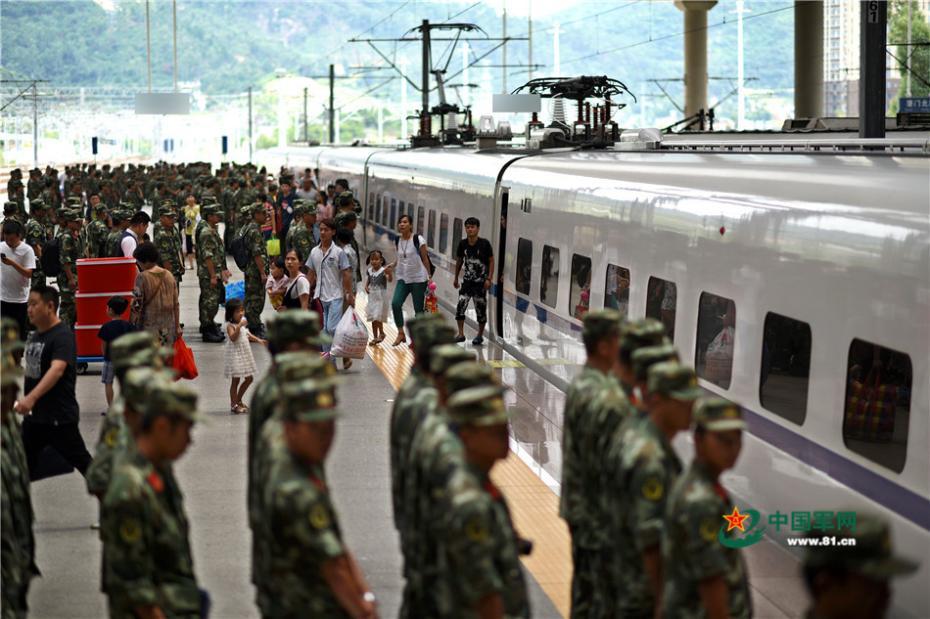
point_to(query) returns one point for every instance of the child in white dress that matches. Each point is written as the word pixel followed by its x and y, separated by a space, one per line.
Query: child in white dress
pixel 376 287
pixel 238 360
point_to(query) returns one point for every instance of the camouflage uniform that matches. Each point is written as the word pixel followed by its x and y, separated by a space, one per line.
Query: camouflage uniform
pixel 254 288
pixel 690 547
pixel 296 224
pixel 145 530
pixel 302 239
pixel 36 237
pixel 209 247
pixel 168 242
pixel 96 236
pixel 230 213
pixel 300 524
pixel 115 236
pixel 70 250
pixel 641 468
pixel 481 550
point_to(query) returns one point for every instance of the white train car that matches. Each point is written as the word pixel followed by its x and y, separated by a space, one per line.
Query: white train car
pixel 798 284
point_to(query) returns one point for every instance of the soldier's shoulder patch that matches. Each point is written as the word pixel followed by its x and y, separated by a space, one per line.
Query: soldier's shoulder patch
pixel 111 436
pixel 319 516
pixel 708 529
pixel 476 529
pixel 653 489
pixel 130 531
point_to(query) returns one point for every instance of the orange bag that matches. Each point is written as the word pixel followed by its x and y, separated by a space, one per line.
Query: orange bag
pixel 184 365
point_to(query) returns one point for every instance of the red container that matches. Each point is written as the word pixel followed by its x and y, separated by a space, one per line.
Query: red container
pixel 88 344
pixel 92 306
pixel 104 274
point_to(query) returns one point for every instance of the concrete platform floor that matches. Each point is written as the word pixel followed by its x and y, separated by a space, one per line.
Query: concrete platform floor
pixel 212 477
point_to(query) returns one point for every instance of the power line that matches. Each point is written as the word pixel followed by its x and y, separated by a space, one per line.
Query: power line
pixel 463 11
pixel 723 22
pixel 582 19
pixel 370 28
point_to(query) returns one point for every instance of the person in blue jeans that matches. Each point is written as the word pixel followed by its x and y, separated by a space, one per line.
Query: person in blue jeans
pixel 411 270
pixel 330 275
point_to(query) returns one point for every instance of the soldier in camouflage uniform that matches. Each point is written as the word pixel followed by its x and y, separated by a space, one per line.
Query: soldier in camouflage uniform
pixel 601 337
pixel 704 578
pixel 640 478
pixel 306 237
pixel 847 582
pixel 11 211
pixel 257 270
pixel 211 272
pixel 642 360
pixel 299 208
pixel 121 217
pixel 481 548
pixel 36 237
pixel 70 250
pixel 167 240
pixel 231 206
pixel 633 335
pixel 97 231
pixel 312 572
pixel 17 543
pixel 149 565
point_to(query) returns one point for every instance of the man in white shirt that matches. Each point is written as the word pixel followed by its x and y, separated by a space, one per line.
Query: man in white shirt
pixel 306 191
pixel 330 275
pixel 19 260
pixel 137 227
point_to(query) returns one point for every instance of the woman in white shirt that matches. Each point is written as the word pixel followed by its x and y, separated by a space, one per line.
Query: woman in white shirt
pixel 297 294
pixel 411 270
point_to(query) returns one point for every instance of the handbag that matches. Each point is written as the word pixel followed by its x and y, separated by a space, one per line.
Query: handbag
pixel 183 363
pixel 273 245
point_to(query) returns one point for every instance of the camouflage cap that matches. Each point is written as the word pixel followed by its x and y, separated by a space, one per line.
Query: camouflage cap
pixel 123 348
pixel 245 211
pixel 254 209
pixel 10 207
pixel 310 208
pixel 71 215
pixel 428 335
pixel 299 207
pixel 36 203
pixel 346 198
pixel 309 400
pixel 10 371
pixel 75 200
pixel 870 556
pixel 468 375
pixel 645 358
pixel 167 203
pixel 345 218
pixel 300 365
pixel 601 323
pixel 139 381
pixel 477 406
pixel 673 380
pixel 100 207
pixel 420 325
pixel 718 415
pixel 444 357
pixel 295 326
pixel 167 211
pixel 210 209
pixel 9 334
pixel 173 400
pixel 641 333
pixel 209 199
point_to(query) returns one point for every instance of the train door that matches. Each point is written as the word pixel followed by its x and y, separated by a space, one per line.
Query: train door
pixel 501 254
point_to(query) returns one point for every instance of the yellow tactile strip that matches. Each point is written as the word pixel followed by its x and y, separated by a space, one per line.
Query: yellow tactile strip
pixel 535 508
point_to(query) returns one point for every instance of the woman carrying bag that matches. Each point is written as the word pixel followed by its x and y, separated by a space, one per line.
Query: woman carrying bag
pixel 411 269
pixel 155 305
pixel 297 295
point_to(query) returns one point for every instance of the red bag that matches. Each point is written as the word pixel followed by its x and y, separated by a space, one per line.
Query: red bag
pixel 184 365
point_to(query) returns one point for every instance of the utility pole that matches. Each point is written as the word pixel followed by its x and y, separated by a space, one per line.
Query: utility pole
pixel 148 44
pixel 35 125
pixel 332 109
pixel 403 102
pixel 529 35
pixel 873 39
pixel 504 50
pixel 306 131
pixel 250 123
pixel 174 29
pixel 740 95
pixel 907 54
pixel 426 129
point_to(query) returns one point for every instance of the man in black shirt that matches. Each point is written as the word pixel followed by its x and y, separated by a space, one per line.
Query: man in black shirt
pixel 476 255
pixel 50 374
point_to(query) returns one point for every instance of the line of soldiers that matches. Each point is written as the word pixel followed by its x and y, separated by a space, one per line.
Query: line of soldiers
pixel 645 531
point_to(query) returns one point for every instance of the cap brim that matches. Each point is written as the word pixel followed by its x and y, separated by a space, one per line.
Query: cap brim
pixel 888 568
pixel 724 425
pixel 320 414
pixel 689 394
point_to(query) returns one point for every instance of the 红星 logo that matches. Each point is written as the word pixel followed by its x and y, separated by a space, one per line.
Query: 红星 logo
pixel 749 533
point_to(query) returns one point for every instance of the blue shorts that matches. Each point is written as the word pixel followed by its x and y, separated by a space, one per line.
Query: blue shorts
pixel 106 375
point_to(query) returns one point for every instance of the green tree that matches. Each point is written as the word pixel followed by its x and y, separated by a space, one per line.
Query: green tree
pixel 919 74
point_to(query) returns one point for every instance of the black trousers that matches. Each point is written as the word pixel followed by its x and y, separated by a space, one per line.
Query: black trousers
pixel 16 311
pixel 64 438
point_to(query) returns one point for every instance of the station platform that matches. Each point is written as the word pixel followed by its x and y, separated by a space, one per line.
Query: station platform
pixel 213 478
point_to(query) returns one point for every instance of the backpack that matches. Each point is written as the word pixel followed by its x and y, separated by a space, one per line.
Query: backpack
pixel 240 252
pixel 51 257
pixel 416 247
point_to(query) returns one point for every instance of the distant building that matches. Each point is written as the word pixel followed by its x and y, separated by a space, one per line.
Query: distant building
pixel 841 58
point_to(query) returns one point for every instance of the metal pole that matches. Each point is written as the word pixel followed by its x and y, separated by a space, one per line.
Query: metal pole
pixel 425 129
pixel 504 51
pixel 148 44
pixel 403 101
pixel 740 75
pixel 250 124
pixel 907 54
pixel 872 33
pixel 529 36
pixel 332 110
pixel 174 41
pixel 466 91
pixel 306 131
pixel 35 126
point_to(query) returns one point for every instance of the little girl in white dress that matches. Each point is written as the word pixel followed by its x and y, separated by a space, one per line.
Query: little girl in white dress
pixel 238 363
pixel 376 287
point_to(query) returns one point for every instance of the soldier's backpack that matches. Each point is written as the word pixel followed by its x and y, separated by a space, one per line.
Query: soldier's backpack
pixel 240 251
pixel 51 257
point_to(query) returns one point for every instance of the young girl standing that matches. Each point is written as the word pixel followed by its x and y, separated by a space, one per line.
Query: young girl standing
pixel 239 362
pixel 376 288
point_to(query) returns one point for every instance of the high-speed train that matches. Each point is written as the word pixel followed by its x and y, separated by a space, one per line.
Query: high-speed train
pixel 796 280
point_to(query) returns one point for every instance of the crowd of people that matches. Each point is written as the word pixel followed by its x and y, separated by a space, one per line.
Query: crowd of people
pixel 645 530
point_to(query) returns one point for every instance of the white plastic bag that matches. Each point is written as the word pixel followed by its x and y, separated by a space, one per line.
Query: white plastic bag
pixel 351 337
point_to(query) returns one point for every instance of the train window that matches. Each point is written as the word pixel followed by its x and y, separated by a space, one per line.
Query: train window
pixel 410 210
pixel 713 355
pixel 457 229
pixel 661 296
pixel 617 289
pixel 384 213
pixel 371 201
pixel 786 364
pixel 549 282
pixel 400 211
pixel 443 233
pixel 420 219
pixel 524 262
pixel 431 229
pixel 878 403
pixel 393 218
pixel 579 291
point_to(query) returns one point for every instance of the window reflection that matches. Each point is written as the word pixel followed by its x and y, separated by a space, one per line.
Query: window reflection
pixel 713 355
pixel 661 299
pixel 617 289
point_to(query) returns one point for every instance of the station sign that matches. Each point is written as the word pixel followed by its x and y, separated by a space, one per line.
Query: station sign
pixel 163 103
pixel 914 105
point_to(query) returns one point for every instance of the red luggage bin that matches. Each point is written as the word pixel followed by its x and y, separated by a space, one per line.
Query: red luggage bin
pixel 106 274
pixel 89 346
pixel 92 306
